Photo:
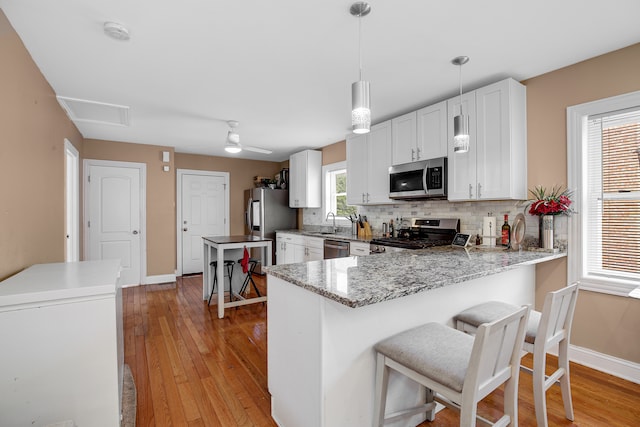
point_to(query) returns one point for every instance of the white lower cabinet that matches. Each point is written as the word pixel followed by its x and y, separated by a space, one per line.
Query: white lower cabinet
pixel 293 248
pixel 62 352
pixel 314 248
pixel 495 167
pixel 359 248
pixel 368 161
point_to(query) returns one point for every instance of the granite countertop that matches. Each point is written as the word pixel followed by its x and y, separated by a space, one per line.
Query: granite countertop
pixel 365 280
pixel 340 235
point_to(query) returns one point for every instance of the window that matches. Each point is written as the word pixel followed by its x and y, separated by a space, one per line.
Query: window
pixel 335 191
pixel 604 168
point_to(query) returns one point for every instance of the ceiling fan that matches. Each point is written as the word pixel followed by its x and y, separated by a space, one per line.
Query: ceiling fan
pixel 232 145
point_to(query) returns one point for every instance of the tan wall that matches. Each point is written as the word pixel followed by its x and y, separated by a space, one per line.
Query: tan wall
pixel 334 153
pixel 603 323
pixel 241 174
pixel 33 127
pixel 160 202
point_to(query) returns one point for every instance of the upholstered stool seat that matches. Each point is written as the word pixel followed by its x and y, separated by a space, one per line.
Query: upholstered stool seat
pixel 433 350
pixel 454 368
pixel 214 264
pixel 544 330
pixel 471 318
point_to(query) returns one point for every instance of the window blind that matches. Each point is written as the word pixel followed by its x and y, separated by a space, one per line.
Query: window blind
pixel 612 216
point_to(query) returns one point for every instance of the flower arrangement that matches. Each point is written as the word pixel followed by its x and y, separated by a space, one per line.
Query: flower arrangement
pixel 555 202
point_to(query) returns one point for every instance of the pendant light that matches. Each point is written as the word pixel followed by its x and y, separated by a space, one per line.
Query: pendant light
pixel 461 121
pixel 360 110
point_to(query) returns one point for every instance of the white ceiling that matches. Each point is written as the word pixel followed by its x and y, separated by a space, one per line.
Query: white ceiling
pixel 284 68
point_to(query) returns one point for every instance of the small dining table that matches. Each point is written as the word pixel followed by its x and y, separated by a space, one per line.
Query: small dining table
pixel 214 250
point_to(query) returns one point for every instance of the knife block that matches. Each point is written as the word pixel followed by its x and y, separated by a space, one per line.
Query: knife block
pixel 364 231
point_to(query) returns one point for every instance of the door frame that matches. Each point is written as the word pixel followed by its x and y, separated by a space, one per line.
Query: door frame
pixel 71 202
pixel 142 168
pixel 180 173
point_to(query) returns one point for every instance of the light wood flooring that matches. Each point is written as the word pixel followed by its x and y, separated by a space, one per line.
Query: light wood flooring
pixel 193 369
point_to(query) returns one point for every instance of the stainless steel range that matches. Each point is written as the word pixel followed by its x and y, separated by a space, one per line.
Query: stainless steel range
pixel 422 233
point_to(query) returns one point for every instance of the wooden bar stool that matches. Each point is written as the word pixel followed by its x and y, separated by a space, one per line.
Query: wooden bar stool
pixel 253 263
pixel 456 369
pixel 227 263
pixel 545 329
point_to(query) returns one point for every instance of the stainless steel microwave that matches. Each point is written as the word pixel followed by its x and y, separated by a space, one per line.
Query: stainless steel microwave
pixel 426 179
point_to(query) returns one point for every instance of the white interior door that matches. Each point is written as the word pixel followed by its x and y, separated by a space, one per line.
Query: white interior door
pixel 114 217
pixel 72 202
pixel 204 211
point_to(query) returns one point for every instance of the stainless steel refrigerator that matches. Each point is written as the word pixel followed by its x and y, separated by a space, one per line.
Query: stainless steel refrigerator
pixel 267 210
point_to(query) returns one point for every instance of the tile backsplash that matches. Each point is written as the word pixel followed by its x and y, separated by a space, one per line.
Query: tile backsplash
pixel 471 215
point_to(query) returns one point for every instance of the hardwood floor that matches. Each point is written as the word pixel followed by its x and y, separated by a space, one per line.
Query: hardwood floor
pixel 193 369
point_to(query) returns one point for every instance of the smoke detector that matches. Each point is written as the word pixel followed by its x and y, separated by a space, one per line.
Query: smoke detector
pixel 116 31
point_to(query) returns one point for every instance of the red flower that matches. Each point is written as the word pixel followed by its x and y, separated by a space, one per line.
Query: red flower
pixel 556 202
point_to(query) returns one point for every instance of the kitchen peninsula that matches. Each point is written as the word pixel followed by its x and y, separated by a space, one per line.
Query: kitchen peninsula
pixel 325 316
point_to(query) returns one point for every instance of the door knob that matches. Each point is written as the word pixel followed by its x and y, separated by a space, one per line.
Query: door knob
pixel 135 231
pixel 185 229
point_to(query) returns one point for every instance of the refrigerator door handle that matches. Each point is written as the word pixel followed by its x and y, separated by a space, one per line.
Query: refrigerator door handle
pixel 247 215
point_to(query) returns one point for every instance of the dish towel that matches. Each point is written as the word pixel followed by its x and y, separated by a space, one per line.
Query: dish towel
pixel 245 261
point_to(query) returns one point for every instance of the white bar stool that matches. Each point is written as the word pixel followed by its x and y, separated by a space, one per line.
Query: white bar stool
pixel 546 329
pixel 456 369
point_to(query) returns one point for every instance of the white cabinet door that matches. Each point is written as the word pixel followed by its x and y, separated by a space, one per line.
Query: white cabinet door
pixel 404 138
pixel 314 249
pixel 357 168
pixel 368 161
pixel 379 160
pixel 432 131
pixel 462 167
pixel 501 138
pixel 495 168
pixel 305 176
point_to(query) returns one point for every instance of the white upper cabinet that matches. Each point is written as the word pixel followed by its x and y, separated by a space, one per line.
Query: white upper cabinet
pixel 404 140
pixel 495 167
pixel 432 131
pixel 420 135
pixel 368 161
pixel 305 179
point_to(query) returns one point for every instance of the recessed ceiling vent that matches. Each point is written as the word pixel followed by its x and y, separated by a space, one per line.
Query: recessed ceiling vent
pixel 80 110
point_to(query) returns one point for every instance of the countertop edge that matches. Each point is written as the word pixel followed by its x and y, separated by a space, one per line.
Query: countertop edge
pixel 408 290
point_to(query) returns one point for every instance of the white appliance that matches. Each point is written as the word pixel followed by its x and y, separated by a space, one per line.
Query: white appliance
pixel 267 210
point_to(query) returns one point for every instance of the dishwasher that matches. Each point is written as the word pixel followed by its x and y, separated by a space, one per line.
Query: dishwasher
pixel 335 249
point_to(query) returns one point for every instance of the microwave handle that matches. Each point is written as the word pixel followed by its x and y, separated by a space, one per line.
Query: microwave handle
pixel 424 178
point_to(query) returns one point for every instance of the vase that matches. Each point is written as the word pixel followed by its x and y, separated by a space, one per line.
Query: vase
pixel 545 237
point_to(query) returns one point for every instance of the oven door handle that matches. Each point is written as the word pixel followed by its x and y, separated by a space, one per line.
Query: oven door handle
pixel 341 247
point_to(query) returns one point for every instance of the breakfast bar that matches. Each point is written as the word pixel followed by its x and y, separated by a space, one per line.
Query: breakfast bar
pixel 325 316
pixel 214 250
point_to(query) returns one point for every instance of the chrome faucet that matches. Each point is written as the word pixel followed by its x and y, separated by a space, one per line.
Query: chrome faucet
pixel 334 229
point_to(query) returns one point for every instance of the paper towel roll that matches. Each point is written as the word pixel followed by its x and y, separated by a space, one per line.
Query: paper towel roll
pixel 489 231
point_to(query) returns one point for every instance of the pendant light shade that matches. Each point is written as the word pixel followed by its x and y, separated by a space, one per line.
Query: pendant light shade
pixel 360 101
pixel 360 111
pixel 461 121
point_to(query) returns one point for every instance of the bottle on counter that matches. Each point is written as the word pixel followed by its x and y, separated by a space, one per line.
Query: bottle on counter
pixel 391 229
pixel 506 232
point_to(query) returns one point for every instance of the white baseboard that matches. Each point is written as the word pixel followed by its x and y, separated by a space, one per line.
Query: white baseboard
pixel 621 368
pixel 162 278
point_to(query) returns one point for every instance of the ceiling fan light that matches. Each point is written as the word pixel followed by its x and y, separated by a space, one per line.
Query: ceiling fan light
pixel 232 148
pixel 460 134
pixel 360 111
